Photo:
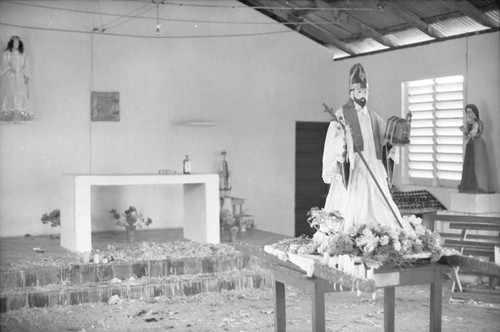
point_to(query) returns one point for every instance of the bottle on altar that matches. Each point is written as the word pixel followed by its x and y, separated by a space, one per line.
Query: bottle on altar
pixel 186 165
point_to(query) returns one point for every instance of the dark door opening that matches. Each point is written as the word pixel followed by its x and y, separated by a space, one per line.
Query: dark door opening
pixel 310 190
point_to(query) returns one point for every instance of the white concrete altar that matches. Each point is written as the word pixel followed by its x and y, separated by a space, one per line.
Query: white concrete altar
pixel 201 204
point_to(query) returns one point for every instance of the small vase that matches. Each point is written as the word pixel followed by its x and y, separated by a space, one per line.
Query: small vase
pixel 234 232
pixel 130 234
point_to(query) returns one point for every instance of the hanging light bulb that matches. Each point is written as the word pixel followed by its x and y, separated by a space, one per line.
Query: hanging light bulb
pixel 158 25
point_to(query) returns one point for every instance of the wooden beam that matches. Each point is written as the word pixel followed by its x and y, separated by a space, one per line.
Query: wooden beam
pixel 327 36
pixel 397 9
pixel 323 33
pixel 473 12
pixel 365 29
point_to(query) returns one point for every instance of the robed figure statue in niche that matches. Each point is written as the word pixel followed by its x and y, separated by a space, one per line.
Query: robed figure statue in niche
pixel 475 172
pixel 14 79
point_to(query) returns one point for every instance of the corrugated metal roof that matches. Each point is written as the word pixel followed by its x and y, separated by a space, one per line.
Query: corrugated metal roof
pixel 426 8
pixel 494 14
pixel 375 21
pixel 363 26
pixel 408 37
pixel 367 45
pixel 458 26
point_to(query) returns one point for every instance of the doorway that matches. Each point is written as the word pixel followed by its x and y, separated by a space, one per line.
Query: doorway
pixel 310 190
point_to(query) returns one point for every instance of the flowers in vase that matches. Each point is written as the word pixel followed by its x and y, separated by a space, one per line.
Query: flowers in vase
pixel 130 218
pixel 228 220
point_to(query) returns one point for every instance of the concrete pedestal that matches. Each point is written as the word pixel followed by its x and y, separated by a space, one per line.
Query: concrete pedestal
pixel 475 203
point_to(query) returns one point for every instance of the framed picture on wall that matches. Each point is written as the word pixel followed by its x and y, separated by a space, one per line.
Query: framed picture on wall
pixel 105 106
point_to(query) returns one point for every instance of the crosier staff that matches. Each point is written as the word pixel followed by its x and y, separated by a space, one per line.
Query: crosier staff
pixel 356 149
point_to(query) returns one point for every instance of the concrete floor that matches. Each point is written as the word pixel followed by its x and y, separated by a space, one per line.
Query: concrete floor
pixel 15 248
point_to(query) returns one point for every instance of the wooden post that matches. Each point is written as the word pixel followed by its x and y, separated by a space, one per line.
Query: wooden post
pixel 318 307
pixel 436 301
pixel 279 307
pixel 389 308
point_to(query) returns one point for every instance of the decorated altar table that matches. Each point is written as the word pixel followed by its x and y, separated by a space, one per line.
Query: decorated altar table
pixel 323 279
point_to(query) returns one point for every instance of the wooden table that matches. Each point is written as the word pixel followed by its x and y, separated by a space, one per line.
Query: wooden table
pixel 324 278
pixel 386 278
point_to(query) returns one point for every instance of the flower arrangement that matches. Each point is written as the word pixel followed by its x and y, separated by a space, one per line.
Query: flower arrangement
pixel 324 221
pixel 54 218
pixel 228 220
pixel 130 218
pixel 379 245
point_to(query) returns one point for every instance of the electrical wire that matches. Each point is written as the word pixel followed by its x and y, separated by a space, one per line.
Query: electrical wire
pixel 127 17
pixel 174 19
pixel 148 36
pixel 263 7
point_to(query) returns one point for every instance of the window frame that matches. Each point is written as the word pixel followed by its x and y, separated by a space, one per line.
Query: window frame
pixel 435 181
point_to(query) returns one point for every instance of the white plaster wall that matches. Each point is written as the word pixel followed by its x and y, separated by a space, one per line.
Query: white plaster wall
pixel 255 88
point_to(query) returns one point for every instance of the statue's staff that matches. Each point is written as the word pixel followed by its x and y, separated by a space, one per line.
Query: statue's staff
pixel 356 149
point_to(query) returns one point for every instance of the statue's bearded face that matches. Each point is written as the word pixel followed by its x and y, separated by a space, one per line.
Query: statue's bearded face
pixel 360 96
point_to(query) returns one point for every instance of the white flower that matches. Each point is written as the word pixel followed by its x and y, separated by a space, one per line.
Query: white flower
pixel 406 245
pixel 397 245
pixel 420 230
pixel 394 235
pixel 413 220
pixel 368 241
pixel 384 240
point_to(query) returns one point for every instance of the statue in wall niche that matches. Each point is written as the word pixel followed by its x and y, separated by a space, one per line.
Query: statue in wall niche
pixel 14 79
pixel 475 172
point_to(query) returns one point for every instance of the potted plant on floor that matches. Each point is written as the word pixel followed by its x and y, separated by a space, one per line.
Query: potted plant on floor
pixel 230 222
pixel 130 219
pixel 54 219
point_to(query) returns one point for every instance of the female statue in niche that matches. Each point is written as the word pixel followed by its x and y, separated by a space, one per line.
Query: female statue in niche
pixel 14 77
pixel 475 172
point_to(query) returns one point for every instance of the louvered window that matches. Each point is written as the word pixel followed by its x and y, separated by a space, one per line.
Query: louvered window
pixel 435 152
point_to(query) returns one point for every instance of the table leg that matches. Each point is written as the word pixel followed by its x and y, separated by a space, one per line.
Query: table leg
pixel 389 308
pixel 279 307
pixel 318 309
pixel 436 301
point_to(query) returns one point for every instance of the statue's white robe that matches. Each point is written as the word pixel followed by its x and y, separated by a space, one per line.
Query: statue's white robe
pixel 362 202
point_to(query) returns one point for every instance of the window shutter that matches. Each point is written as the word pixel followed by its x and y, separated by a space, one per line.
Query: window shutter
pixel 436 142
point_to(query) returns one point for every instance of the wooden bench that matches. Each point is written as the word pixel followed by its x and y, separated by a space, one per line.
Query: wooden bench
pixel 477 236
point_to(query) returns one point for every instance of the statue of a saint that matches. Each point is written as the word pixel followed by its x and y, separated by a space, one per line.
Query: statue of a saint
pixel 14 78
pixel 475 172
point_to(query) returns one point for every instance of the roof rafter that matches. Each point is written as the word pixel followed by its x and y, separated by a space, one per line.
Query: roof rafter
pixel 313 28
pixel 362 27
pixel 396 8
pixel 328 36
